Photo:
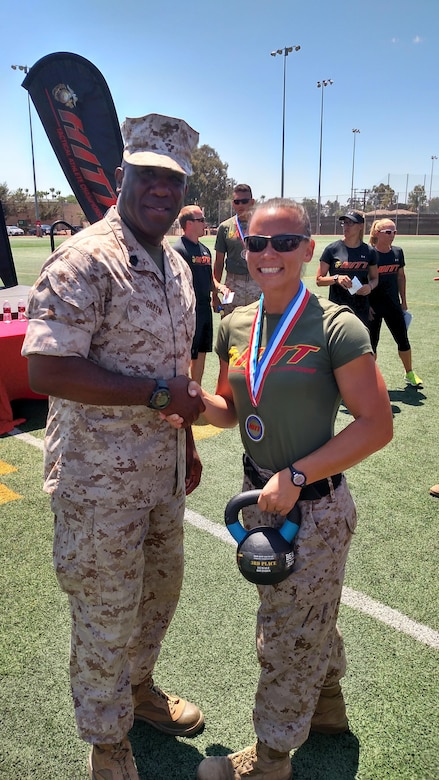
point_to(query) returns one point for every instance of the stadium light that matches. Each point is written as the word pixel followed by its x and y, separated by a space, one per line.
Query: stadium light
pixel 285 51
pixel 321 85
pixel 355 130
pixel 25 70
pixel 433 158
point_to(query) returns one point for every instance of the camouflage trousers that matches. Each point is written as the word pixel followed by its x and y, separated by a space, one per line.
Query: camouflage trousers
pixel 122 570
pixel 245 289
pixel 298 644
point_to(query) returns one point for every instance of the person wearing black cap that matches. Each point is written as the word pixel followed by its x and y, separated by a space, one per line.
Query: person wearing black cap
pixel 349 267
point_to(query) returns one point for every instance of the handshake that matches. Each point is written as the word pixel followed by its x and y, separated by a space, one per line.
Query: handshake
pixel 186 403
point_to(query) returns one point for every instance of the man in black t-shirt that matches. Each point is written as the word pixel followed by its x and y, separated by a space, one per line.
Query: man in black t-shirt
pixel 199 259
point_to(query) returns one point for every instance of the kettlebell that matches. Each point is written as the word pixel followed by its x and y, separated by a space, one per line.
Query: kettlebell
pixel 265 555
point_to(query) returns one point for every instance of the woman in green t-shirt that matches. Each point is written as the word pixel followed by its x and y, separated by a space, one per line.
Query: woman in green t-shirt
pixel 285 363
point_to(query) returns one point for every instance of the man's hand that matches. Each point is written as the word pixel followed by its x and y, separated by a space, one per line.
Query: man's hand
pixel 175 419
pixel 193 463
pixel 186 405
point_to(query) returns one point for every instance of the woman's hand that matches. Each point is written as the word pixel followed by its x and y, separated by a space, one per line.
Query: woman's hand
pixel 175 420
pixel 279 494
pixel 366 289
pixel 344 281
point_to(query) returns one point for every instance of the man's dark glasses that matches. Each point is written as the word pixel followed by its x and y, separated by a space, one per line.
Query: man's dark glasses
pixel 237 201
pixel 196 219
pixel 285 242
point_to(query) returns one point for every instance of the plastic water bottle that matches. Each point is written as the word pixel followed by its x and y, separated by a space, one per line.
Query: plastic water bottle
pixel 7 312
pixel 21 309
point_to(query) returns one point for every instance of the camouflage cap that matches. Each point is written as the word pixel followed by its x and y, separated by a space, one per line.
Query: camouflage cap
pixel 159 141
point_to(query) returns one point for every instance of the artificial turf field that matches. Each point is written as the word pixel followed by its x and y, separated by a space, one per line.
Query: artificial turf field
pixel 389 614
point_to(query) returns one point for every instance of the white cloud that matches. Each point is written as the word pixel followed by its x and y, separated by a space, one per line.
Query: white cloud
pixel 417 39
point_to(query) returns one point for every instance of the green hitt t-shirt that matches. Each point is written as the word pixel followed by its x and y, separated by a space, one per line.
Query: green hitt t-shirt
pixel 300 397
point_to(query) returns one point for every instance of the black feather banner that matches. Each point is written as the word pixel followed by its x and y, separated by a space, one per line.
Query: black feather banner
pixel 75 106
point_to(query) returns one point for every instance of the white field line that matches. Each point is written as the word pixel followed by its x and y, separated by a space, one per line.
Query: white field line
pixel 351 598
pixel 27 438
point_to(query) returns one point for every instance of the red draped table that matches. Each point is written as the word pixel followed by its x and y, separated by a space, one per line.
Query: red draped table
pixel 14 383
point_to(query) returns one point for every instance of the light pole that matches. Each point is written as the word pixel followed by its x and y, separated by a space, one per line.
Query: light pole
pixel 285 51
pixel 355 131
pixel 321 85
pixel 25 70
pixel 433 158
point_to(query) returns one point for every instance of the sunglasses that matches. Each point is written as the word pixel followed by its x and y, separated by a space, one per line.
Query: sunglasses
pixel 196 219
pixel 388 231
pixel 237 201
pixel 285 242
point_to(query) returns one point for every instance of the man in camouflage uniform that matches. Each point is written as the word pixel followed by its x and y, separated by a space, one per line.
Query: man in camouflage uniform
pixel 230 250
pixel 111 321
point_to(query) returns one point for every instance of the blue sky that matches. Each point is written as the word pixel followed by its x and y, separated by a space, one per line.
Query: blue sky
pixel 209 63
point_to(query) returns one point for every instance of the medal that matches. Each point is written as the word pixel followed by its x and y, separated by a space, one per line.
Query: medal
pixel 241 236
pixel 254 427
pixel 257 369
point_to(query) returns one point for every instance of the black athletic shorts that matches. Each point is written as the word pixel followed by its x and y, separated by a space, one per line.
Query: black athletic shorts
pixel 203 338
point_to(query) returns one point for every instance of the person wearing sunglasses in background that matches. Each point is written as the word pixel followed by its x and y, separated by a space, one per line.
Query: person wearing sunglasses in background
pixel 230 250
pixel 349 267
pixel 199 259
pixel 285 362
pixel 388 301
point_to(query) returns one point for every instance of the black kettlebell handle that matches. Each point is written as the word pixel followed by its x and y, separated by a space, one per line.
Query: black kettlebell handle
pixel 288 530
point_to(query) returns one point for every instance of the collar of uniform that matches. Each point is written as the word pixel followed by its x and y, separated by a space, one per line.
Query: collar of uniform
pixel 143 261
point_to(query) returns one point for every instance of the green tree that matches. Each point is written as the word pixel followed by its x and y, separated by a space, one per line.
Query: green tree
pixel 331 208
pixel 417 199
pixel 49 210
pixel 209 184
pixel 381 196
pixel 20 199
pixel 310 204
pixel 5 197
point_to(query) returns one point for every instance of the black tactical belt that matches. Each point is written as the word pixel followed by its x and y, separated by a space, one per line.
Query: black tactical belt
pixel 311 492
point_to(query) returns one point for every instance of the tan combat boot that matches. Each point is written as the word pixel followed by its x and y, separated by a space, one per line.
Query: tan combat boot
pixel 258 761
pixel 112 762
pixel 166 713
pixel 330 715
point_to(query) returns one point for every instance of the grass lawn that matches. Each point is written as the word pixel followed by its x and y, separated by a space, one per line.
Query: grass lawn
pixel 208 655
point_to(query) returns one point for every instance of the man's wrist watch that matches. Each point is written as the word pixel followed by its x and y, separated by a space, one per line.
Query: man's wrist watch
pixel 335 278
pixel 161 396
pixel 298 478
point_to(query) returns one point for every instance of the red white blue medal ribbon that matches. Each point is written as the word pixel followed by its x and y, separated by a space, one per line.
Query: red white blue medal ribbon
pixel 239 228
pixel 241 236
pixel 257 370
